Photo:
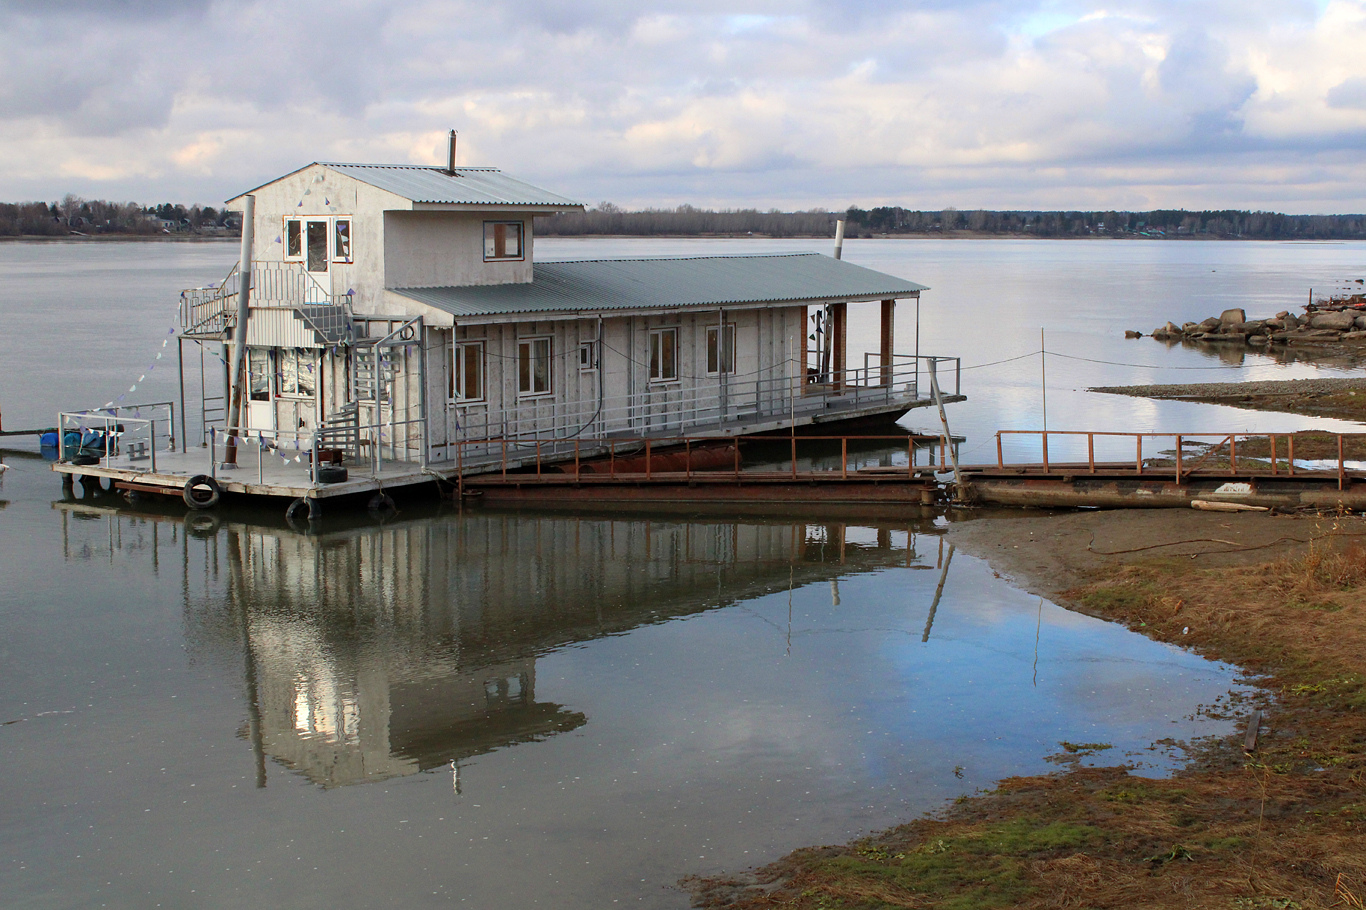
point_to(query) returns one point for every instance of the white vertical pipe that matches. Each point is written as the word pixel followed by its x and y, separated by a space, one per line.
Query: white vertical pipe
pixel 237 377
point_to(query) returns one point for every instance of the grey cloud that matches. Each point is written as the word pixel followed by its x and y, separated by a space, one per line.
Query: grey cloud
pixel 1349 94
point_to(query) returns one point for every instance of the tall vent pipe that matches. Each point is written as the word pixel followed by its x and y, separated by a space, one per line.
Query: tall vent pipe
pixel 450 155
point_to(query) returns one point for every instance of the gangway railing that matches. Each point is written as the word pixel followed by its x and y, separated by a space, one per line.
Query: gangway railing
pixel 1279 455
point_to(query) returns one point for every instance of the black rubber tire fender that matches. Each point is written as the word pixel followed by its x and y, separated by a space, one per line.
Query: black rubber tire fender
pixel 331 473
pixel 382 502
pixel 197 498
pixel 299 511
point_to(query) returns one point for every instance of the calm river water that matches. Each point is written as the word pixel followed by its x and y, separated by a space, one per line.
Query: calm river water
pixel 515 709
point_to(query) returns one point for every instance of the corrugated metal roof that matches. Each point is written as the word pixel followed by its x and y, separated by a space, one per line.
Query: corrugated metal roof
pixel 469 186
pixel 630 284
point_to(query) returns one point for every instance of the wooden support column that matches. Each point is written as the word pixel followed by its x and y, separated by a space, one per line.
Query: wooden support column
pixel 839 321
pixel 887 338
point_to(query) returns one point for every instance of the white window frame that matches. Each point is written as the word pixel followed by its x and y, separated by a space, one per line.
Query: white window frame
pixel 490 243
pixel 348 255
pixel 528 346
pixel 588 356
pixel 714 331
pixel 459 351
pixel 334 251
pixel 655 355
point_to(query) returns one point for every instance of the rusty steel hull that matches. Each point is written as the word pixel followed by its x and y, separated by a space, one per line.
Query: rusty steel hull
pixel 1135 491
pixel 717 490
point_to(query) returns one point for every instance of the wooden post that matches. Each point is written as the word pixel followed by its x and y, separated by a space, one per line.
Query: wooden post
pixel 1091 451
pixel 844 457
pixel 1273 453
pixel 1138 452
pixel 1232 454
pixel 887 339
pixel 1178 458
pixel 1000 455
pixel 1290 454
pixel 1342 465
pixel 648 459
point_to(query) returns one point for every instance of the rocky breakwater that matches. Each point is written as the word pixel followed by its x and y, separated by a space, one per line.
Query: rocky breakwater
pixel 1320 324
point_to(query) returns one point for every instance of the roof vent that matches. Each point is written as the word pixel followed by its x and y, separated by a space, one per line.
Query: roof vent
pixel 450 156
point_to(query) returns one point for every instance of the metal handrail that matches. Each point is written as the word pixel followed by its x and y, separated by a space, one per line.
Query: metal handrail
pixel 678 406
pixel 1182 469
pixel 308 442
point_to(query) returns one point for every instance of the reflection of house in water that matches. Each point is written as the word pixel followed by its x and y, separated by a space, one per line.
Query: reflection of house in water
pixel 378 651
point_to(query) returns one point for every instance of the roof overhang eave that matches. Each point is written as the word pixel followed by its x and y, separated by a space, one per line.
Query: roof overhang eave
pixel 591 312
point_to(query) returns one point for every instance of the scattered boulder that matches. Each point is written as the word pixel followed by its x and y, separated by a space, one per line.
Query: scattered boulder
pixel 1210 324
pixel 1282 314
pixel 1361 321
pixel 1130 333
pixel 1229 317
pixel 1291 321
pixel 1341 321
pixel 1190 328
pixel 1227 338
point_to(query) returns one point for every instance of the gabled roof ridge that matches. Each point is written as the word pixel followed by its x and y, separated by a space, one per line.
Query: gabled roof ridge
pixel 411 167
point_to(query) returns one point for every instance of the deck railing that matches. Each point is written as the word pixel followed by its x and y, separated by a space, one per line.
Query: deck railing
pixel 212 310
pixel 128 432
pixel 729 402
pixel 382 446
pixel 1219 453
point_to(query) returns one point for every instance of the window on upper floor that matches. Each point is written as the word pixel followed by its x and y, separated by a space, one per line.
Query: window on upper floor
pixel 318 241
pixel 502 240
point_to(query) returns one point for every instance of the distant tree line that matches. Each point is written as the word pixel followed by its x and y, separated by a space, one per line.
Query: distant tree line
pixel 606 218
pixel 74 215
pixel 686 220
pixel 1228 223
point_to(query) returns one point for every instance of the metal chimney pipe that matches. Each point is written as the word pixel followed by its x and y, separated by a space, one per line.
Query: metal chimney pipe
pixel 450 157
pixel 839 238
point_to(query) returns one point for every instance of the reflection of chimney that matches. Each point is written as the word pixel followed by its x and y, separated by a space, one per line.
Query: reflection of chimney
pixel 450 156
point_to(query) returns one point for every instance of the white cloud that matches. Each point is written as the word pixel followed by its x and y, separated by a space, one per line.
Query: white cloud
pixel 1044 103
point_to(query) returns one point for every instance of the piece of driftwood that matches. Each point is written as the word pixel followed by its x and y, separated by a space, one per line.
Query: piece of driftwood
pixel 1254 723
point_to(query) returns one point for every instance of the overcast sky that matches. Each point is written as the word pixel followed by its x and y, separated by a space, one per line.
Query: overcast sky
pixel 970 103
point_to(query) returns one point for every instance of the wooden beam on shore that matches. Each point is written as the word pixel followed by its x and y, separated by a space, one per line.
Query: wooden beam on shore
pixel 28 432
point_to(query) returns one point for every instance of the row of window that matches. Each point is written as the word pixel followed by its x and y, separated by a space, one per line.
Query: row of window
pixel 535 356
pixel 318 241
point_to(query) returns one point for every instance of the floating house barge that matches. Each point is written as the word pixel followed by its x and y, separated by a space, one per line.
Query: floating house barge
pixel 397 326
